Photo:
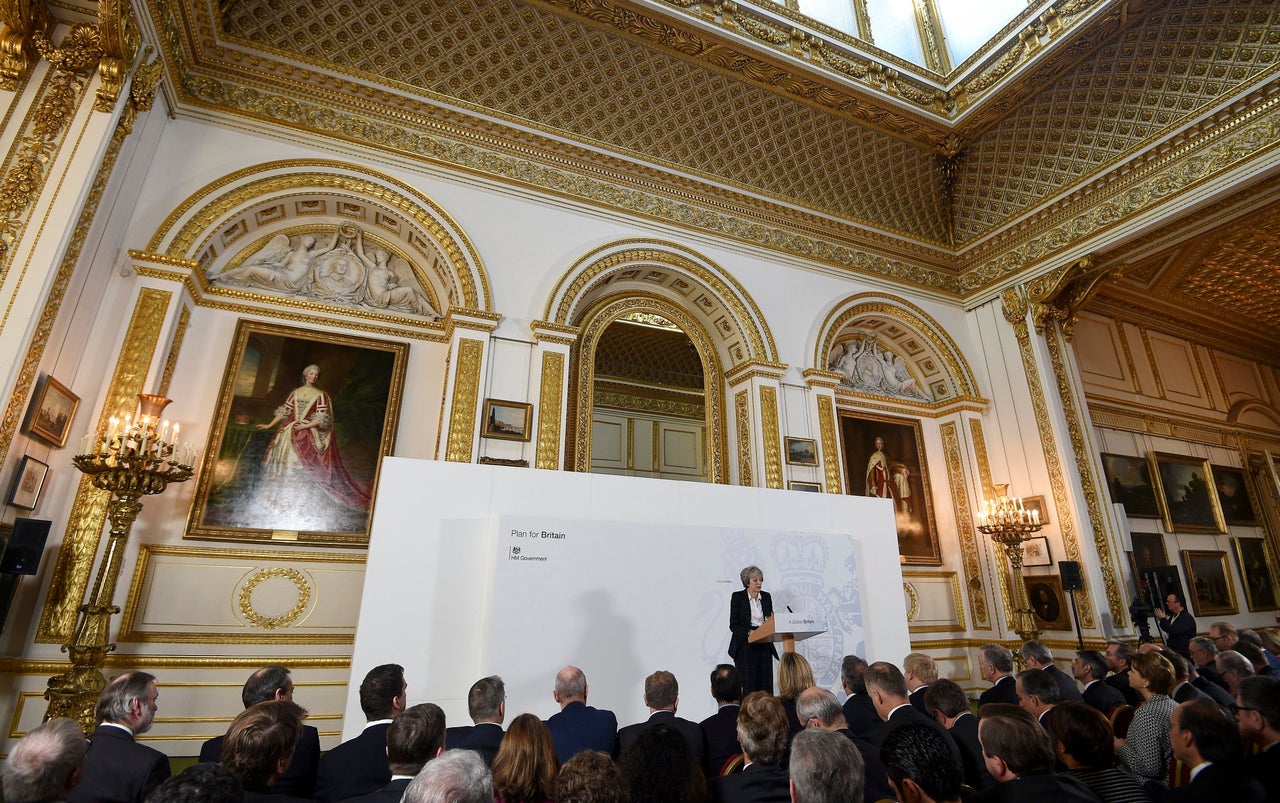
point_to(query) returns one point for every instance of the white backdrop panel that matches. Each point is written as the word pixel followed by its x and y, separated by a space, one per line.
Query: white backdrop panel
pixel 640 581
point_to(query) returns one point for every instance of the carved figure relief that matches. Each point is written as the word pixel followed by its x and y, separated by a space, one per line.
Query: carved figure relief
pixel 339 271
pixel 866 367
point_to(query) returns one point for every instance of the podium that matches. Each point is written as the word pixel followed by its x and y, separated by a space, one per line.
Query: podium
pixel 788 628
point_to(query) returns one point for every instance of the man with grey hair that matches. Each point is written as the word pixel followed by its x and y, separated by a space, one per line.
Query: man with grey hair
pixel 46 763
pixel 1038 656
pixel 662 696
pixel 995 663
pixel 457 776
pixel 487 705
pixel 825 768
pixel 1090 669
pixel 578 726
pixel 819 709
pixel 1234 668
pixel 116 768
pixel 1203 652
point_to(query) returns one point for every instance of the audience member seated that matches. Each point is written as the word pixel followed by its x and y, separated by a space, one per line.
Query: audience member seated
pixel 919 670
pixel 1213 691
pixel 995 664
pixel 116 768
pixel 660 767
pixel 1084 743
pixel 1090 669
pixel 259 745
pixel 859 712
pixel 414 738
pixel 526 766
pixel 1038 693
pixel 794 676
pixel 592 777
pixel 1037 656
pixel 950 707
pixel 1118 656
pixel 274 683
pixel 1183 691
pixel 1020 758
pixel 662 696
pixel 720 730
pixel 359 766
pixel 762 731
pixel 825 768
pixel 888 691
pixel 1258 713
pixel 1145 751
pixel 578 726
pixel 1256 656
pixel 819 709
pixel 1206 739
pixel 1234 668
pixel 457 776
pixel 916 759
pixel 46 763
pixel 1270 638
pixel 1203 652
pixel 206 782
pixel 1255 638
pixel 487 706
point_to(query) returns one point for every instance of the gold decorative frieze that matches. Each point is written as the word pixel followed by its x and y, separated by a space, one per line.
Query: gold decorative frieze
pixel 550 408
pixel 968 537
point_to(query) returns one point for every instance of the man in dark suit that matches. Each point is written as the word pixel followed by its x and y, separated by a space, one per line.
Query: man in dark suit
pixel 1038 693
pixel 888 691
pixel 1090 670
pixel 1038 656
pixel 1213 691
pixel 1258 714
pixel 1020 756
pixel 995 663
pixel 748 609
pixel 414 738
pixel 1178 625
pixel 950 707
pixel 859 712
pixel 1205 738
pixel 259 744
pixel 46 763
pixel 1183 691
pixel 915 757
pixel 359 766
pixel 662 696
pixel 819 708
pixel 578 726
pixel 299 778
pixel 919 670
pixel 116 768
pixel 1203 652
pixel 1117 656
pixel 763 730
pixel 720 730
pixel 487 705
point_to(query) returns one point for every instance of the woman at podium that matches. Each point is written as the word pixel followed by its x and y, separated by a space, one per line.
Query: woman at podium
pixel 748 609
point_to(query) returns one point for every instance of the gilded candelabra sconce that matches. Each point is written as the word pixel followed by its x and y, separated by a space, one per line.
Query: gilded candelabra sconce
pixel 138 455
pixel 1008 523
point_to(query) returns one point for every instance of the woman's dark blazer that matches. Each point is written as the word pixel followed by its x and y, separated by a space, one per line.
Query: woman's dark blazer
pixel 740 619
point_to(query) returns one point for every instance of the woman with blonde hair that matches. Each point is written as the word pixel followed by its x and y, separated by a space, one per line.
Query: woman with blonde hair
pixel 794 676
pixel 525 769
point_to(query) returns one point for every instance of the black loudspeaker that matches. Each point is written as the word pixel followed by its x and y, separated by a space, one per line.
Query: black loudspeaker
pixel 26 546
pixel 1071 579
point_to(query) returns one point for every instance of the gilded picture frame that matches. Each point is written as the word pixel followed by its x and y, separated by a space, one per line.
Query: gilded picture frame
pixel 807 487
pixel 1036 552
pixel 801 451
pixel 52 411
pixel 904 477
pixel 1185 492
pixel 1257 570
pixel 1129 483
pixel 293 453
pixel 1209 582
pixel 1048 601
pixel 507 420
pixel 1232 490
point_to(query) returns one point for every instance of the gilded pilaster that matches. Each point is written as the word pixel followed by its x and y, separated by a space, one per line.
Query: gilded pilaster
pixel 822 385
pixel 1014 307
pixel 964 523
pixel 175 347
pixel 984 476
pixel 462 405
pixel 742 419
pixel 550 399
pixel 760 379
pixel 769 429
pixel 89 510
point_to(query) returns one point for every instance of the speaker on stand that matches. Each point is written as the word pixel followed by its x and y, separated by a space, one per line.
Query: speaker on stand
pixel 1072 581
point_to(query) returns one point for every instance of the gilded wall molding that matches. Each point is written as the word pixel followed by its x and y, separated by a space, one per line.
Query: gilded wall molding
pixel 175 347
pixel 466 396
pixel 965 530
pixel 742 419
pixel 772 435
pixel 88 514
pixel 831 457
pixel 1015 308
pixel 550 408
pixel 21 19
pixel 984 477
pixel 119 38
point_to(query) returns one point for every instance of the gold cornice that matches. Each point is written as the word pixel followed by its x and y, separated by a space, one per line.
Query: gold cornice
pixel 755 368
pixel 127 661
pixel 819 378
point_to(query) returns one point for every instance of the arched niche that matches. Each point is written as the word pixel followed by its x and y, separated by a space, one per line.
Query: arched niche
pixel 292 206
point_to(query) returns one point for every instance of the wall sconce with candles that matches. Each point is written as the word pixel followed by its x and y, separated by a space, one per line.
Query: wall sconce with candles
pixel 137 455
pixel 1008 523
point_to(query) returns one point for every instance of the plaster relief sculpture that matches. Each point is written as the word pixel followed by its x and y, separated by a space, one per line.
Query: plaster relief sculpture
pixel 867 368
pixel 338 272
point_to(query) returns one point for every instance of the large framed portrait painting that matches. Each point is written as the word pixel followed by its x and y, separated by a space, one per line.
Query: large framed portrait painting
pixel 884 457
pixel 303 421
